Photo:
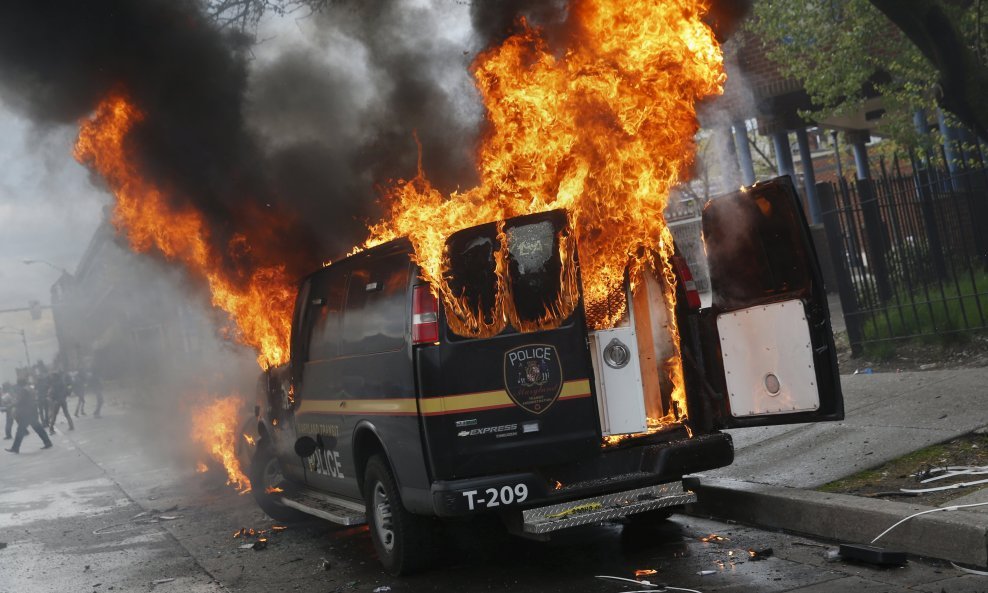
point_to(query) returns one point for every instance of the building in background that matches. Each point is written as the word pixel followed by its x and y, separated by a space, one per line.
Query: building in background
pixel 125 315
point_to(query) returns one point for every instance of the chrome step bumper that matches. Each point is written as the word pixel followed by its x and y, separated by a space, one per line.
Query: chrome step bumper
pixel 330 508
pixel 604 508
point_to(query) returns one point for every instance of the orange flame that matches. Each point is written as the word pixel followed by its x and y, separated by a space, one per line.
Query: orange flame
pixel 214 427
pixel 261 305
pixel 604 130
pixel 201 468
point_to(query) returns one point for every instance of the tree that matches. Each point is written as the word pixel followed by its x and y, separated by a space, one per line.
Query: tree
pixel 842 51
pixel 917 54
pixel 950 38
pixel 243 15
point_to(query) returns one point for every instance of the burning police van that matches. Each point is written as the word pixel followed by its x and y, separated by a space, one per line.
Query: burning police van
pixel 509 395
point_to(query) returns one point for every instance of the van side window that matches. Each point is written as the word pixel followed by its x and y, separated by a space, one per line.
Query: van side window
pixel 377 312
pixel 326 303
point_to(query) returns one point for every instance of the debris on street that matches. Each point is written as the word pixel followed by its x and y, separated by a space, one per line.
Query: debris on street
pixel 762 554
pixel 872 555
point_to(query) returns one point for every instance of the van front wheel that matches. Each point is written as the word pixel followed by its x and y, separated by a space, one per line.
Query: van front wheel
pixel 405 542
pixel 265 473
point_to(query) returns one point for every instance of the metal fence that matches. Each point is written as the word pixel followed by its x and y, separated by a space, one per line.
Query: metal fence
pixel 910 248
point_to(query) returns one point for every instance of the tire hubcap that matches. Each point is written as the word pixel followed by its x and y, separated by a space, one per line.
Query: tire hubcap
pixel 382 517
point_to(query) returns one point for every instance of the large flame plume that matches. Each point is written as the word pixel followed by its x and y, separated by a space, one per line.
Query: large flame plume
pixel 260 305
pixel 604 130
pixel 214 427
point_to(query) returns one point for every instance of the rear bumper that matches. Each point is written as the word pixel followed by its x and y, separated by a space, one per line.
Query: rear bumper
pixel 610 471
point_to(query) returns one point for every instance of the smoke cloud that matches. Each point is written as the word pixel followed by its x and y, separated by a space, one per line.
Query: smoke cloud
pixel 291 150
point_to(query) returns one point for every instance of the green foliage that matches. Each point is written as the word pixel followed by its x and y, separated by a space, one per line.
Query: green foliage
pixel 839 49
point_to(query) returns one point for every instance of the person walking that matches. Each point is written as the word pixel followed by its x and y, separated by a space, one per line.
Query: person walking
pixel 95 386
pixel 79 388
pixel 59 393
pixel 26 412
pixel 7 404
pixel 41 388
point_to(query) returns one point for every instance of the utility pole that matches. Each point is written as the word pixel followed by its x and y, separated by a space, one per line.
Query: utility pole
pixel 12 330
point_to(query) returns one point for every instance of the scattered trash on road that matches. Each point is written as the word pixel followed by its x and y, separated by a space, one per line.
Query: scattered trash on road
pixel 382 589
pixel 872 555
pixel 657 587
pixel 706 573
pixel 762 554
pixel 980 573
pixel 162 581
pixel 325 565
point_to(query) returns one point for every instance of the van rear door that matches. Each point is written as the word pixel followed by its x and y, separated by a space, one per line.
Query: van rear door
pixel 515 399
pixel 768 346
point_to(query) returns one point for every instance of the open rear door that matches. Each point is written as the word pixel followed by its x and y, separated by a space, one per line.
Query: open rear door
pixel 773 360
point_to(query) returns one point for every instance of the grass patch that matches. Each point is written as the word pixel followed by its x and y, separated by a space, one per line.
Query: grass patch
pixel 971 449
pixel 937 315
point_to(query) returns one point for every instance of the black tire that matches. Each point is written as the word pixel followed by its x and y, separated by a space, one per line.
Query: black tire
pixel 245 450
pixel 405 542
pixel 265 471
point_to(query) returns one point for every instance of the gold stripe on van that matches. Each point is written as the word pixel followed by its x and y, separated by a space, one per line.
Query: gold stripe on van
pixel 390 407
pixel 432 406
pixel 486 400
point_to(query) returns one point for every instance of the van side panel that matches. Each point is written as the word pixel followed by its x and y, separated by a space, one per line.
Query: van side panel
pixel 365 380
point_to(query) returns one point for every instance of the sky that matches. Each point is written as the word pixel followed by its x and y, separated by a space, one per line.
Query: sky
pixel 48 211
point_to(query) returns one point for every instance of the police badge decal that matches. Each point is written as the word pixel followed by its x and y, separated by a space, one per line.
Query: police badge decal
pixel 533 376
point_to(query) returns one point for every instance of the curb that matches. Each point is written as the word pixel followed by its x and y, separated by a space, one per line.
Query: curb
pixel 958 536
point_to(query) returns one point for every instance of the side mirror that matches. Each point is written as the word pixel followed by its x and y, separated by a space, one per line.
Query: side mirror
pixel 305 447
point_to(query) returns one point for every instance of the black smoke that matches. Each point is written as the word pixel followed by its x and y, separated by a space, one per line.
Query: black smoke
pixel 289 151
pixel 59 59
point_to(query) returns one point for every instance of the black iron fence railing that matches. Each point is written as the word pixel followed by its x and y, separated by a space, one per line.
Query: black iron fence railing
pixel 910 248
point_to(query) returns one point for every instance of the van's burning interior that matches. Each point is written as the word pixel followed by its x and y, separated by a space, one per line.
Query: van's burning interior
pixel 600 125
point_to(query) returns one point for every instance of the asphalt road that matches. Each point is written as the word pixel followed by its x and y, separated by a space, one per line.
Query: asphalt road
pixel 116 506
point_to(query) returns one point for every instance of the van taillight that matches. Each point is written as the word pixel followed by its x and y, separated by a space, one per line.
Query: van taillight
pixel 686 278
pixel 425 316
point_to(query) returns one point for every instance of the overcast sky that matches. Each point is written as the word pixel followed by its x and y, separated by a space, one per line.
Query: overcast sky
pixel 48 211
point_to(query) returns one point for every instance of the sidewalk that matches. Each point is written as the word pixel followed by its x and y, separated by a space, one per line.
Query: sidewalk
pixel 887 415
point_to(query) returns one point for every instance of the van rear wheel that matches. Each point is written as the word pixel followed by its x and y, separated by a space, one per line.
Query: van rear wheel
pixel 265 473
pixel 405 542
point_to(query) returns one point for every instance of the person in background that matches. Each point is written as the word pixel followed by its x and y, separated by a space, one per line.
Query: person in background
pixel 7 405
pixel 58 391
pixel 41 388
pixel 79 388
pixel 95 385
pixel 26 411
